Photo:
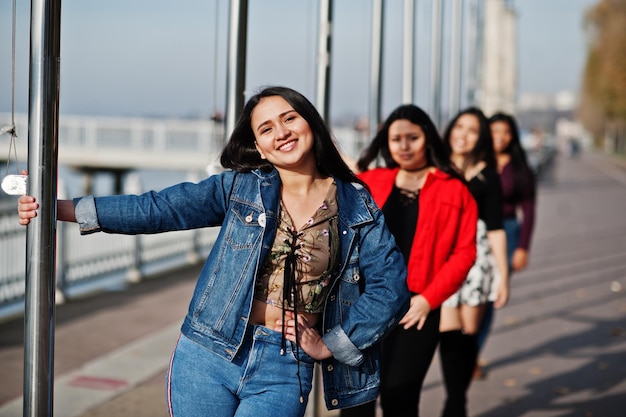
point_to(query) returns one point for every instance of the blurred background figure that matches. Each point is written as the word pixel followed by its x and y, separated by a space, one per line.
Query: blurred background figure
pixel 469 138
pixel 518 198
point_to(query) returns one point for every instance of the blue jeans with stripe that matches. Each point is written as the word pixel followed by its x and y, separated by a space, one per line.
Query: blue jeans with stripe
pixel 258 382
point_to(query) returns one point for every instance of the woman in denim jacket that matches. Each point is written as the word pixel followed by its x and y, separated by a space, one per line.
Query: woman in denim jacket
pixel 273 296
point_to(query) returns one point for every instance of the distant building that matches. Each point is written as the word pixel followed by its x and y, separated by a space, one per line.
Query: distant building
pixel 561 101
pixel 550 112
pixel 498 85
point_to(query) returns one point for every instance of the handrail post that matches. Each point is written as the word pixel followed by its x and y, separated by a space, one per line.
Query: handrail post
pixel 43 111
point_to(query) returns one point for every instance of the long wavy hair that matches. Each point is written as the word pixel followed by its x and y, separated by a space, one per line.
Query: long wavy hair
pixel 437 152
pixel 240 153
pixel 523 175
pixel 483 150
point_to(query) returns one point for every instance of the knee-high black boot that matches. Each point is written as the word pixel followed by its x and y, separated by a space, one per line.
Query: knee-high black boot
pixel 458 352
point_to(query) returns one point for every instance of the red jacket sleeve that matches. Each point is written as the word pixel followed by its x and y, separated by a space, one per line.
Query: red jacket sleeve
pixel 450 275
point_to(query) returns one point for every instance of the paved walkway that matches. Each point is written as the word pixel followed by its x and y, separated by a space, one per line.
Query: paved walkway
pixel 557 349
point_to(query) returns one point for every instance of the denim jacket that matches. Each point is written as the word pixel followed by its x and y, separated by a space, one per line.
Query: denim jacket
pixel 367 297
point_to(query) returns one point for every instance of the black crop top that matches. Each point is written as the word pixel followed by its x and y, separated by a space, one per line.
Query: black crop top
pixel 487 191
pixel 401 211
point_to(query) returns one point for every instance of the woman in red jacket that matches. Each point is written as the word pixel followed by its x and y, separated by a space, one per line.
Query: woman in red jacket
pixel 433 217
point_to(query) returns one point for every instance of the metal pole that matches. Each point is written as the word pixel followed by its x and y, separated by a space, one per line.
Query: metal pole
pixel 236 67
pixel 408 67
pixel 476 40
pixel 43 112
pixel 472 28
pixel 460 79
pixel 376 66
pixel 436 62
pixel 324 45
pixel 455 58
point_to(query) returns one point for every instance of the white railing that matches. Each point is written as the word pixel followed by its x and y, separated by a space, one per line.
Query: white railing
pixel 135 143
pixel 93 262
pixel 127 143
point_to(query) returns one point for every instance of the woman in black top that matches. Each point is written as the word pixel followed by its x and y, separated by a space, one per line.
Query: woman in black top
pixel 470 139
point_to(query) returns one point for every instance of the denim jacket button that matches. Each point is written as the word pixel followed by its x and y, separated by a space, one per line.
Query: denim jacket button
pixel 334 401
pixel 248 218
pixel 356 277
pixel 330 368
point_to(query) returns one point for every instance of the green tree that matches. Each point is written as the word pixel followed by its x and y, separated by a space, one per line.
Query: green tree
pixel 603 101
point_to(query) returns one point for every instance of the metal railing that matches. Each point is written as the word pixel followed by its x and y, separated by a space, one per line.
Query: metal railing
pixel 93 262
pixel 135 143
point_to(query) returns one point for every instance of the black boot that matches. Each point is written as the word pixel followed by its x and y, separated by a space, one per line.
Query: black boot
pixel 458 352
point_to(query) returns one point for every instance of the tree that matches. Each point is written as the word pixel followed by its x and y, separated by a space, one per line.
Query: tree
pixel 603 102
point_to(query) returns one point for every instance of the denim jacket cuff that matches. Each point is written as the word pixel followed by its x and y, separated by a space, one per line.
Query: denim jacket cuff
pixel 86 215
pixel 338 342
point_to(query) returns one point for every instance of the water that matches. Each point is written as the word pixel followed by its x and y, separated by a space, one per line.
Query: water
pixel 72 182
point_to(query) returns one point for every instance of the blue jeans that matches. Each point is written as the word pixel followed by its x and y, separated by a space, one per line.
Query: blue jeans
pixel 258 382
pixel 512 231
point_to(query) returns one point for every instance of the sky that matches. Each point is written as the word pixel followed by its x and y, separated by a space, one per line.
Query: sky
pixel 168 58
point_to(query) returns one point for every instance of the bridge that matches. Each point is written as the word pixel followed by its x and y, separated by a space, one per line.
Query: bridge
pixel 119 144
pixel 127 143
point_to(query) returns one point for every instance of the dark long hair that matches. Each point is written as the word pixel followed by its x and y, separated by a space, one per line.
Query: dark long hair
pixel 523 176
pixel 483 150
pixel 437 151
pixel 241 155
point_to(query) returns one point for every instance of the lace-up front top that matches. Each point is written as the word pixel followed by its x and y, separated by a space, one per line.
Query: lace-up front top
pixel 296 275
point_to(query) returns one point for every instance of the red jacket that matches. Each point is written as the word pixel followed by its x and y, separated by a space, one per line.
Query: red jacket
pixel 444 245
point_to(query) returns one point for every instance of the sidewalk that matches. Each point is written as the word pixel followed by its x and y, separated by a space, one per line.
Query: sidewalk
pixel 557 349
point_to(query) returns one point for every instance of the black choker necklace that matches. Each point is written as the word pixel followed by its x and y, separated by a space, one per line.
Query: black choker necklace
pixel 412 171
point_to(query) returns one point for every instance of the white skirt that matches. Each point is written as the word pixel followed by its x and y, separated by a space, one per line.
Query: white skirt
pixel 481 282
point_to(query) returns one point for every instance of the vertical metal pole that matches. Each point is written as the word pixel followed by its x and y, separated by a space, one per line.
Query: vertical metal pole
pixel 376 66
pixel 461 73
pixel 456 51
pixel 408 67
pixel 324 45
pixel 477 58
pixel 43 112
pixel 236 67
pixel 472 28
pixel 436 62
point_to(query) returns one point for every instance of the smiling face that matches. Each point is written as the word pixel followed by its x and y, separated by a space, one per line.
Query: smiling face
pixel 283 137
pixel 464 134
pixel 407 144
pixel 501 134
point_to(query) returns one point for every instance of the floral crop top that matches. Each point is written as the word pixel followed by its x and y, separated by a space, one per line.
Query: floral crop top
pixel 301 262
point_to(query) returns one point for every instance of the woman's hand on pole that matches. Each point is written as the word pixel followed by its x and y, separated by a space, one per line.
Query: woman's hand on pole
pixel 26 209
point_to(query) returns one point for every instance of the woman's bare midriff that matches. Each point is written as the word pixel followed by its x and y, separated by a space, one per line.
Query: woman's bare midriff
pixel 266 315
